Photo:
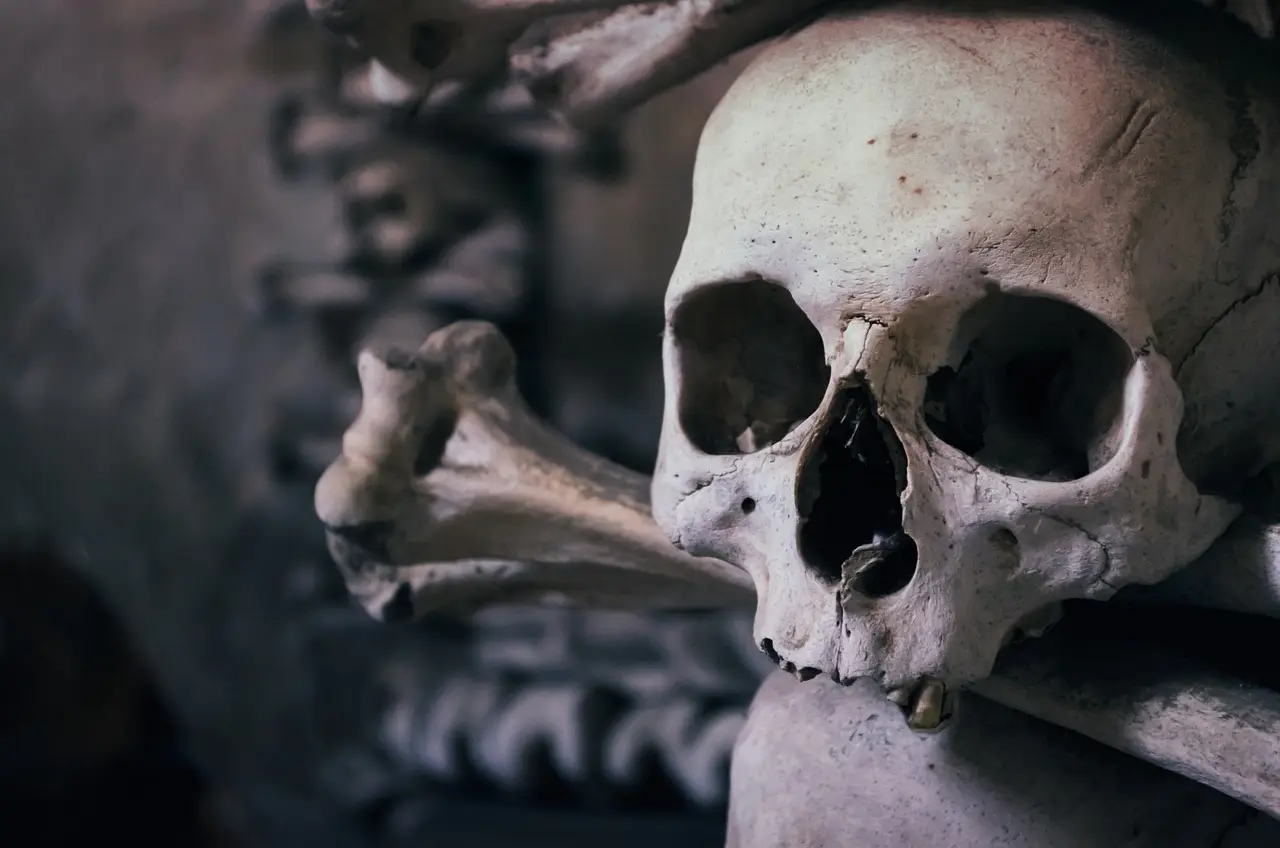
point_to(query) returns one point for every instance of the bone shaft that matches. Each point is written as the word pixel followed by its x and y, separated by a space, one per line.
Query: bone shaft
pixel 599 73
pixel 450 494
pixel 564 506
pixel 1239 573
pixel 1162 708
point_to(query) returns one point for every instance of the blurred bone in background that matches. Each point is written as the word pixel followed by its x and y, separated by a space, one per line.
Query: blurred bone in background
pixel 203 217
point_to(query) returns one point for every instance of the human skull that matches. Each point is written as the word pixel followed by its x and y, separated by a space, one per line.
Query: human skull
pixel 946 292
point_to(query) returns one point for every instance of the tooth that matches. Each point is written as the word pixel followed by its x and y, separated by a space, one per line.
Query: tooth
pixel 929 710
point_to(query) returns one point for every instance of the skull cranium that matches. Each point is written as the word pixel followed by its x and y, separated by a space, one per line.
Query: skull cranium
pixel 925 341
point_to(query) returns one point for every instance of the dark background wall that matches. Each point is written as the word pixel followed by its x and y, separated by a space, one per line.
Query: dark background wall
pixel 177 660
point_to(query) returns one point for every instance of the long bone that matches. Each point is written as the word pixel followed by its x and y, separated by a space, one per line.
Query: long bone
pixel 590 72
pixel 451 495
pixel 1177 712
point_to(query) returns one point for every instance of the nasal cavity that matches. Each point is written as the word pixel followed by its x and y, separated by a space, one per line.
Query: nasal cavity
pixel 849 497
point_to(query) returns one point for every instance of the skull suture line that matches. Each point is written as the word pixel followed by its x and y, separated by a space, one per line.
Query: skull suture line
pixel 923 340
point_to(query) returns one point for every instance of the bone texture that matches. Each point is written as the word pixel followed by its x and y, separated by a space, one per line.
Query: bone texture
pixel 449 492
pixel 820 765
pixel 589 61
pixel 425 227
pixel 807 331
pixel 587 68
pixel 405 182
pixel 383 514
pixel 520 736
pixel 654 656
pixel 1149 701
pixel 1165 709
pixel 1133 695
pixel 616 698
pixel 1240 573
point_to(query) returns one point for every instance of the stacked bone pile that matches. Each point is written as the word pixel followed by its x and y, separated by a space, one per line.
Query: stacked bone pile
pixel 601 704
pixel 431 229
pixel 440 200
pixel 607 707
pixel 587 61
pixel 645 700
pixel 396 513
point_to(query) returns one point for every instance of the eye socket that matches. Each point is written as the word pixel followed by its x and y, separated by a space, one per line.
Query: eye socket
pixel 1038 392
pixel 751 365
